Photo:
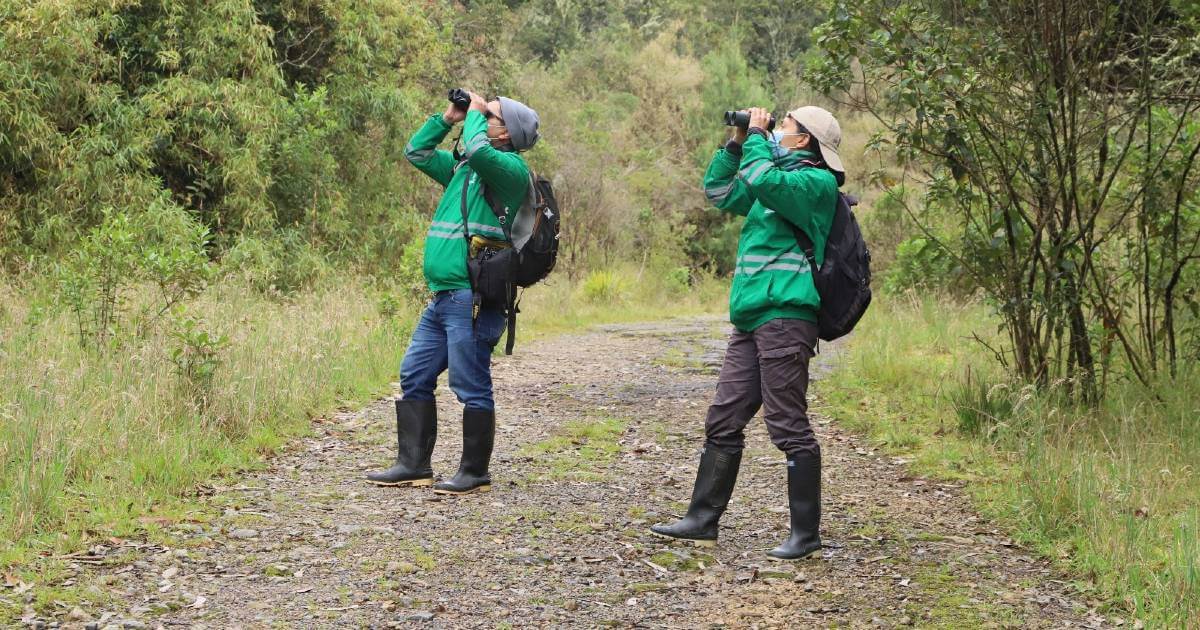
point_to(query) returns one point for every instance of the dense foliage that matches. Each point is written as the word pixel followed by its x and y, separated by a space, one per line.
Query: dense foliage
pixel 1050 149
pixel 278 126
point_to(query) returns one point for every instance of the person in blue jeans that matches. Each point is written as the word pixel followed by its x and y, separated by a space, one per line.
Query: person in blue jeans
pixel 456 333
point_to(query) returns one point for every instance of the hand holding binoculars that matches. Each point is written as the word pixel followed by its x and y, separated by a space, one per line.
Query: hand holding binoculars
pixel 741 120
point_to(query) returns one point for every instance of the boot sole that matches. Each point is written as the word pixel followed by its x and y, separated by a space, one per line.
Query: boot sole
pixel 812 554
pixel 411 483
pixel 484 488
pixel 699 543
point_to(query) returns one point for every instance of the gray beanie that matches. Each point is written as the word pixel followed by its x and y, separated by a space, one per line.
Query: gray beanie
pixel 522 123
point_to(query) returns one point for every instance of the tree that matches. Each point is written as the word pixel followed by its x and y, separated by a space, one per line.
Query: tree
pixel 1063 135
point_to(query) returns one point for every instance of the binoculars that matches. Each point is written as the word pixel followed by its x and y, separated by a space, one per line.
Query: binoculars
pixel 460 98
pixel 741 120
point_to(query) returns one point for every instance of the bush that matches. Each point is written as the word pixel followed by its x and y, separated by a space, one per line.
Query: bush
pixel 679 280
pixel 255 118
pixel 196 356
pixel 921 264
pixel 604 286
pixel 280 264
pixel 160 245
pixel 409 276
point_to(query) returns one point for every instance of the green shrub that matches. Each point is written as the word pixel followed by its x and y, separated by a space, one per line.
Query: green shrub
pixel 255 118
pixel 678 280
pixel 283 263
pixel 921 264
pixel 196 355
pixel 604 286
pixel 161 245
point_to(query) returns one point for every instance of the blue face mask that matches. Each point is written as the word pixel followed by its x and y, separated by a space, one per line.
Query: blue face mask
pixel 777 149
pixel 783 157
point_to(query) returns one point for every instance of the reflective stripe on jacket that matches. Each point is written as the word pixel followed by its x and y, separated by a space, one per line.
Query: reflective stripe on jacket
pixel 505 173
pixel 772 279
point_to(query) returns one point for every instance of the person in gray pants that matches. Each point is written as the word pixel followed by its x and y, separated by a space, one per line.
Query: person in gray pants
pixel 781 182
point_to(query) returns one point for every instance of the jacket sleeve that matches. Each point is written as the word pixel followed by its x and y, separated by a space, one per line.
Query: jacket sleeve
pixel 423 153
pixel 504 173
pixel 794 194
pixel 722 186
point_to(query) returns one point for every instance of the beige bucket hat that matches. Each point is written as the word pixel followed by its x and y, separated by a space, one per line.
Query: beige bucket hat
pixel 825 128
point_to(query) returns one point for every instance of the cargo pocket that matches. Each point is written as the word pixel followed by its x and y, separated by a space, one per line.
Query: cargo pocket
pixel 780 338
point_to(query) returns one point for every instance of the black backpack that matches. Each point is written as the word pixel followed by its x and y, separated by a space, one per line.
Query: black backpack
pixel 533 231
pixel 844 280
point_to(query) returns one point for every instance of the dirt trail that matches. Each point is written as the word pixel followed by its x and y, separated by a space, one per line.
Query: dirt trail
pixel 597 439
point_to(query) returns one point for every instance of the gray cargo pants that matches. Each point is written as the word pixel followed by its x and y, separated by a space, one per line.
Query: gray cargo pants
pixel 767 368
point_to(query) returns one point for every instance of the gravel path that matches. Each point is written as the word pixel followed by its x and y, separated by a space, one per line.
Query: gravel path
pixel 597 439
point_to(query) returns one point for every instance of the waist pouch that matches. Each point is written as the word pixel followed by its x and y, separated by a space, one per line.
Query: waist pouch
pixel 491 271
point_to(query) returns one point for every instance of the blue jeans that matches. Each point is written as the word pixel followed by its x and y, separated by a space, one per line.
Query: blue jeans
pixel 447 338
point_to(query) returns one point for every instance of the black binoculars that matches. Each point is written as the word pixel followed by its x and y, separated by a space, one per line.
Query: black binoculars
pixel 460 97
pixel 741 120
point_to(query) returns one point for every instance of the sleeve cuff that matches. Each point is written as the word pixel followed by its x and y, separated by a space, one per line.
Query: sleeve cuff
pixel 734 148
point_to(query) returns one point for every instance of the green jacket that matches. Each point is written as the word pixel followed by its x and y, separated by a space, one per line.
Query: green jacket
pixel 505 174
pixel 772 279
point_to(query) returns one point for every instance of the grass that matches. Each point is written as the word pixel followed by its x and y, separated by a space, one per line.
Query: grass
pixel 680 560
pixel 579 450
pixel 93 444
pixel 115 444
pixel 1112 493
pixel 561 306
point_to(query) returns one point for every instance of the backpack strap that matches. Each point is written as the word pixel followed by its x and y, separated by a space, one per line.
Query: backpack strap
pixel 494 205
pixel 513 309
pixel 806 244
pixel 467 244
pixel 466 185
pixel 534 198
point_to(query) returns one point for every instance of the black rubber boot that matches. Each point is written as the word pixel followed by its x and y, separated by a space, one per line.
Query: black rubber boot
pixel 416 431
pixel 804 499
pixel 479 434
pixel 714 485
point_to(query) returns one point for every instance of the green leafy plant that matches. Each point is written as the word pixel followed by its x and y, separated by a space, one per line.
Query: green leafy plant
pixel 161 246
pixel 920 264
pixel 196 353
pixel 94 278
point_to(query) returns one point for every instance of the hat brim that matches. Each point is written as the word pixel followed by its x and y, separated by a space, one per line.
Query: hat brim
pixel 832 158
